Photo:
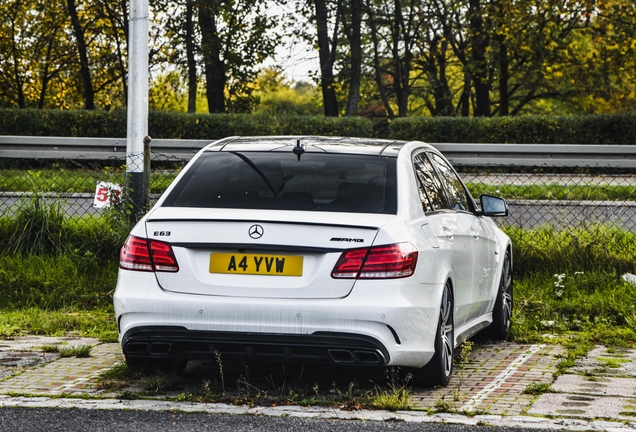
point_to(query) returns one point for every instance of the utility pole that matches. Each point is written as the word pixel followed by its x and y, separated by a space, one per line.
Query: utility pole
pixel 137 104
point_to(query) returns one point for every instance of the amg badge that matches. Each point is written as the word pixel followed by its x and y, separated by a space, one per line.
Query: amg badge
pixel 349 240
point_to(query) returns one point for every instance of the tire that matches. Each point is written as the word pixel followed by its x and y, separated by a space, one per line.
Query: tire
pixel 499 329
pixel 438 371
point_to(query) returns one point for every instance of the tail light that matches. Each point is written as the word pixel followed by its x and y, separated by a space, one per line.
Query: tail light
pixel 378 262
pixel 147 255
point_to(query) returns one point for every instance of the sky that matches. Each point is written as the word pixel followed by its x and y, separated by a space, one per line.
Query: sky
pixel 296 57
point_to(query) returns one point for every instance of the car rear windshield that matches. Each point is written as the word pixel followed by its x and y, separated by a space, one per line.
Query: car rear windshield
pixel 277 180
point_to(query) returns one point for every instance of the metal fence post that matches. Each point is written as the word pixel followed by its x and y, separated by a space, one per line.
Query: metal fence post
pixel 146 190
pixel 137 117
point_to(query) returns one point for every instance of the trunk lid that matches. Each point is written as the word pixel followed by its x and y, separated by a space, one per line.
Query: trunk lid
pixel 256 253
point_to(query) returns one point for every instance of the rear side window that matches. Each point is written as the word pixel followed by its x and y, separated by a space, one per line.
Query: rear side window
pixel 430 187
pixel 454 188
pixel 277 180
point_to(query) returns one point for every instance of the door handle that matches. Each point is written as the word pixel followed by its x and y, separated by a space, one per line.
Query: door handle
pixel 475 235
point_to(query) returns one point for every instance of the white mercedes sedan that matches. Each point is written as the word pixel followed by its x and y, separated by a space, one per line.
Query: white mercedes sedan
pixel 349 251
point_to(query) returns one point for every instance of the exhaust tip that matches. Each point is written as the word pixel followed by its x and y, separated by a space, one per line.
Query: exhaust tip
pixel 159 348
pixel 341 356
pixel 136 348
pixel 367 357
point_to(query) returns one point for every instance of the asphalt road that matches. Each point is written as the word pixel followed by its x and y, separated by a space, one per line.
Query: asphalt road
pixel 54 420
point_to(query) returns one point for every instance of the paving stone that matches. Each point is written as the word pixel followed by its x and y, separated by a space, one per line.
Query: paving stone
pixel 57 377
pixel 589 385
pixel 563 404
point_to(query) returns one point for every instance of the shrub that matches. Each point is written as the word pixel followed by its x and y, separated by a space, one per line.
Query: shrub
pixel 592 129
pixel 168 125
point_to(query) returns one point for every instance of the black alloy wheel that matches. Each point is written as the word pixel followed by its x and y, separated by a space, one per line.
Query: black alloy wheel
pixel 439 369
pixel 499 329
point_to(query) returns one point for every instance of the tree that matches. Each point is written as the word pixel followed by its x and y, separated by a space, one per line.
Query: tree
pixel 82 52
pixel 13 54
pixel 34 54
pixel 394 28
pixel 354 35
pixel 327 54
pixel 235 39
pixel 277 96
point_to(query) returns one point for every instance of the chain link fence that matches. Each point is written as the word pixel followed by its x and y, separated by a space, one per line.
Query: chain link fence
pixel 541 199
pixel 559 198
pixel 82 189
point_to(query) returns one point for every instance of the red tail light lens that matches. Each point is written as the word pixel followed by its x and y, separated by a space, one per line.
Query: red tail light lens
pixel 378 262
pixel 163 257
pixel 349 264
pixel 147 255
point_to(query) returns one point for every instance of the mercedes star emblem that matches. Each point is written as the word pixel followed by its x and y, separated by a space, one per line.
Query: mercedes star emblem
pixel 256 231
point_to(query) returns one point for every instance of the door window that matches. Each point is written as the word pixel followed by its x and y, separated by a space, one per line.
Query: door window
pixel 454 188
pixel 430 187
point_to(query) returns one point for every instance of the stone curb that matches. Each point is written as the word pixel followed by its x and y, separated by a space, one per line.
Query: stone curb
pixel 316 413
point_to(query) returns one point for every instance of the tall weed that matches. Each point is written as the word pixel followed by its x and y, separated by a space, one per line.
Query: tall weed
pixel 594 247
pixel 38 227
pixel 598 303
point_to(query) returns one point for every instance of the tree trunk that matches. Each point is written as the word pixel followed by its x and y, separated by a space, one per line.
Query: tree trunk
pixel 479 43
pixel 121 57
pixel 330 103
pixel 504 75
pixel 45 76
pixel 192 66
pixel 402 64
pixel 214 65
pixel 441 89
pixel 89 94
pixel 356 57
pixel 378 72
pixel 464 100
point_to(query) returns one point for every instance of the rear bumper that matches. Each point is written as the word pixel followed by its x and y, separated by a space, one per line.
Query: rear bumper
pixel 375 324
pixel 179 343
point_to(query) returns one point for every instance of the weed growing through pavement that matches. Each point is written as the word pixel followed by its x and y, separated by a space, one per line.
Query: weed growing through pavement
pixel 442 405
pixel 80 351
pixel 396 395
pixel 537 388
pixel 118 376
pixel 217 356
pixel 348 399
pixel 464 355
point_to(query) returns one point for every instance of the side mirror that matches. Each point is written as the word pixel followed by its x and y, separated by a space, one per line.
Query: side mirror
pixel 493 206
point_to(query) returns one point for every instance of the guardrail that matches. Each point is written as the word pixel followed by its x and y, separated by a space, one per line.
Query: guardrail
pixel 562 155
pixel 30 147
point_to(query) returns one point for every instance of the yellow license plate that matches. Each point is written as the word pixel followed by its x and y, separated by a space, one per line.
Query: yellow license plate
pixel 256 264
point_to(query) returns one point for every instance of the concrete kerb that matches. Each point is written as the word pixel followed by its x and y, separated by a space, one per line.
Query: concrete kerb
pixel 488 390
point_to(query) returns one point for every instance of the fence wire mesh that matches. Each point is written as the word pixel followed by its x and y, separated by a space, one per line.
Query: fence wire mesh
pixel 82 189
pixel 539 198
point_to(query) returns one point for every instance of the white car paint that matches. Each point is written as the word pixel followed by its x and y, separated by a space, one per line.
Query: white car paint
pixel 400 314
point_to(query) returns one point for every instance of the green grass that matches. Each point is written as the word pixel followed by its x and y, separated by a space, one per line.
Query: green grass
pixel 584 248
pixel 81 351
pixel 596 307
pixel 84 180
pixel 74 180
pixel 72 281
pixel 42 228
pixel 536 388
pixel 97 323
pixel 548 191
